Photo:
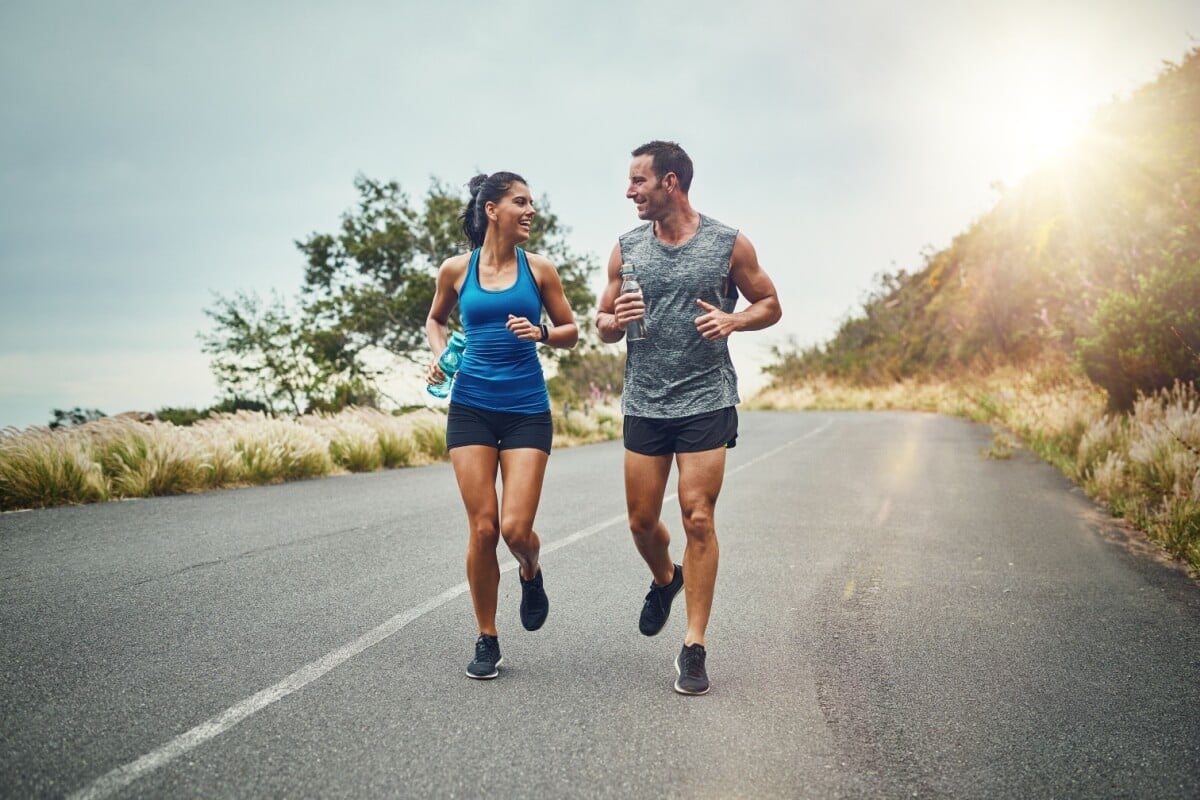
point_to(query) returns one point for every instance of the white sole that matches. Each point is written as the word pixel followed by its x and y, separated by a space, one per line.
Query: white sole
pixel 678 688
pixel 487 677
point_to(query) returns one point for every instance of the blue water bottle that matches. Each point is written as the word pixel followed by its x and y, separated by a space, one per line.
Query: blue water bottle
pixel 449 361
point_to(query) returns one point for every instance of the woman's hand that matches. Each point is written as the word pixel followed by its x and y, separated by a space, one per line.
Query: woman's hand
pixel 523 329
pixel 434 375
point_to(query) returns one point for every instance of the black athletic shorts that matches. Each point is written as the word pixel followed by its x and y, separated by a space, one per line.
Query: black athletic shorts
pixel 499 429
pixel 651 436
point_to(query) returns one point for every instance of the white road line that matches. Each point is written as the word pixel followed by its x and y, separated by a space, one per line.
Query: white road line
pixel 124 775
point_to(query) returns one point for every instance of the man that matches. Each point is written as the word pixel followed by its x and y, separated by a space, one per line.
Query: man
pixel 680 386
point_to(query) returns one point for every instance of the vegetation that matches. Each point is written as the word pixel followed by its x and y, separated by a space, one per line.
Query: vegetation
pixel 1068 315
pixel 121 457
pixel 1095 256
pixel 1144 465
pixel 367 288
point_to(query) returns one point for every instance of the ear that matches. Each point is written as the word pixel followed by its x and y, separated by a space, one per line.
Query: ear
pixel 489 208
pixel 670 181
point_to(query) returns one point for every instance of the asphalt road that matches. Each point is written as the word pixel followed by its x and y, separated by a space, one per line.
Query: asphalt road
pixel 896 616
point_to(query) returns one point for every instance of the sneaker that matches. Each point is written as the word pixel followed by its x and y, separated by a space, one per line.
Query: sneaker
pixel 534 603
pixel 689 664
pixel 657 607
pixel 487 658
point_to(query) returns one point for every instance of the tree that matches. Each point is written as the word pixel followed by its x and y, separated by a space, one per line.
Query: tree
pixel 75 416
pixel 368 285
pixel 371 283
pixel 262 351
pixel 1146 340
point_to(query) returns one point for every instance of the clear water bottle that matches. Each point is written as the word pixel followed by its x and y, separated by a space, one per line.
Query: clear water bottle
pixel 634 331
pixel 449 361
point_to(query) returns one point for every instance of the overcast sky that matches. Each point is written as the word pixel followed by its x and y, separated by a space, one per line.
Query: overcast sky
pixel 154 153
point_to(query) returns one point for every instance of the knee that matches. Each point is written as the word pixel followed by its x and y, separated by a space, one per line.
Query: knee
pixel 485 533
pixel 518 534
pixel 699 523
pixel 643 526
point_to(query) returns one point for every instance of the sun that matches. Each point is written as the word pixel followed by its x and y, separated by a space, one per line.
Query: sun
pixel 1042 128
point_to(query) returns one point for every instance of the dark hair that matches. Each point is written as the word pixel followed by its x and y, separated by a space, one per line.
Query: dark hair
pixel 668 157
pixel 484 189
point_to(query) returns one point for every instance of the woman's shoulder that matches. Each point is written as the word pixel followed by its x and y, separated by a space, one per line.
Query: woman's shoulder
pixel 456 265
pixel 539 262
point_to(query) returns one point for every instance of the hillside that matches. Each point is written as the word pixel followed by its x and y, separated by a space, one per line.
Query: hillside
pixel 1094 257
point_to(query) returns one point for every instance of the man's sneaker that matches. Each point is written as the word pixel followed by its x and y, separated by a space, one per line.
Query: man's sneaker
pixel 690 666
pixel 657 607
pixel 487 658
pixel 534 603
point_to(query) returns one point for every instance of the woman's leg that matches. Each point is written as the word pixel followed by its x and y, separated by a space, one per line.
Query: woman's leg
pixel 521 473
pixel 475 469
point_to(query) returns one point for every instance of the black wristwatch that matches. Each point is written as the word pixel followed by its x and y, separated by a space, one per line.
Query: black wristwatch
pixel 545 332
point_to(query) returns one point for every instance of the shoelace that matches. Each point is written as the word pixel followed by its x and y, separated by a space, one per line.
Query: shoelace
pixel 691 663
pixel 485 650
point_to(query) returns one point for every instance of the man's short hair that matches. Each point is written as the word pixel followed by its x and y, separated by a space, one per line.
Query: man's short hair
pixel 668 157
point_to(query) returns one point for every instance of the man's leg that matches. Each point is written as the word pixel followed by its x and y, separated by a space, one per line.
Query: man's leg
pixel 645 484
pixel 700 478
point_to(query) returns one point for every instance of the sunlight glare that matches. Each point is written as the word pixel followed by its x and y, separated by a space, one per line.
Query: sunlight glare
pixel 1041 127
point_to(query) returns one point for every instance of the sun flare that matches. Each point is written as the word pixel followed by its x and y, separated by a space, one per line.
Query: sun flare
pixel 1040 130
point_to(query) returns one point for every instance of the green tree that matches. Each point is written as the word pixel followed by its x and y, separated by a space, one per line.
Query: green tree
pixel 1148 339
pixel 371 283
pixel 263 351
pixel 75 416
pixel 368 285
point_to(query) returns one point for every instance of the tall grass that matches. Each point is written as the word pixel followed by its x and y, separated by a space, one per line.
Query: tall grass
pixel 1144 466
pixel 119 457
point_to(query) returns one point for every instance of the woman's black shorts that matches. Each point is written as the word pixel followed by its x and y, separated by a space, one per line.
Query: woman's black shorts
pixel 466 425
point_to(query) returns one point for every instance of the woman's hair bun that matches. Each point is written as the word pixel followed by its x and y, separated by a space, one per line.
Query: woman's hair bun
pixel 476 183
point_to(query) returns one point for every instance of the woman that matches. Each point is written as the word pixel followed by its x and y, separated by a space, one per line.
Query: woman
pixel 499 409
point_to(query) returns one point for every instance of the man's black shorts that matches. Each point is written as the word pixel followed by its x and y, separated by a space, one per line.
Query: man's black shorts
pixel 651 436
pixel 467 425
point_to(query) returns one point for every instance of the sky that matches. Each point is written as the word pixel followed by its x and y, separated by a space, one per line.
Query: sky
pixel 155 155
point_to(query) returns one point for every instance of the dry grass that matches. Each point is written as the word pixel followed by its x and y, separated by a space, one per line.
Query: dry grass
pixel 1144 466
pixel 121 457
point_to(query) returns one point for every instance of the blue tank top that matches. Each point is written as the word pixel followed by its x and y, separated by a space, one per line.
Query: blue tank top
pixel 499 372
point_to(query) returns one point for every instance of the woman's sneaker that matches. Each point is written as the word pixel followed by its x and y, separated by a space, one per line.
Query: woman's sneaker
pixel 657 607
pixel 534 603
pixel 487 658
pixel 693 679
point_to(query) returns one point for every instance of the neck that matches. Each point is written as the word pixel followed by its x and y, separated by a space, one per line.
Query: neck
pixel 494 250
pixel 678 226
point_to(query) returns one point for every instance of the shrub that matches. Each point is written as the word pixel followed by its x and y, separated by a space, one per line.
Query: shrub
pixel 1145 342
pixel 40 467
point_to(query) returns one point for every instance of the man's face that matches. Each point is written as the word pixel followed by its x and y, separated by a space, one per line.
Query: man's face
pixel 645 189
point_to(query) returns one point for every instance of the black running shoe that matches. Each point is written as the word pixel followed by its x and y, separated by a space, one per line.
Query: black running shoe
pixel 657 607
pixel 487 658
pixel 534 603
pixel 690 666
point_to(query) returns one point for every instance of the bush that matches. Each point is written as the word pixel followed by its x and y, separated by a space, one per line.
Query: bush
pixel 1144 342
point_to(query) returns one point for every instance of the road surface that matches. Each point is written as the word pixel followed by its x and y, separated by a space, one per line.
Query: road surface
pixel 896 616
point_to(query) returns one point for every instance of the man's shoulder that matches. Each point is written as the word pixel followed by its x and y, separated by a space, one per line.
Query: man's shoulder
pixel 636 233
pixel 716 224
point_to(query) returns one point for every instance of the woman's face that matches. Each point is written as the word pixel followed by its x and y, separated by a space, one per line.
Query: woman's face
pixel 513 215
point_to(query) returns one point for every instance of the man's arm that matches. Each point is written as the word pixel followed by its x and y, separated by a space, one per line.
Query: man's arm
pixel 755 285
pixel 616 310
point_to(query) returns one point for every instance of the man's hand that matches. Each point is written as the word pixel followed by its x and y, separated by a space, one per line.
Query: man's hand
pixel 628 308
pixel 714 323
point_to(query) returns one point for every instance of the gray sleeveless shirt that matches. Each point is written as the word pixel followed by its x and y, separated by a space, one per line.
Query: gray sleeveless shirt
pixel 675 372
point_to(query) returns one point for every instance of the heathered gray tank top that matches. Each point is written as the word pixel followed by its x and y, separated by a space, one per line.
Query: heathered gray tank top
pixel 674 372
